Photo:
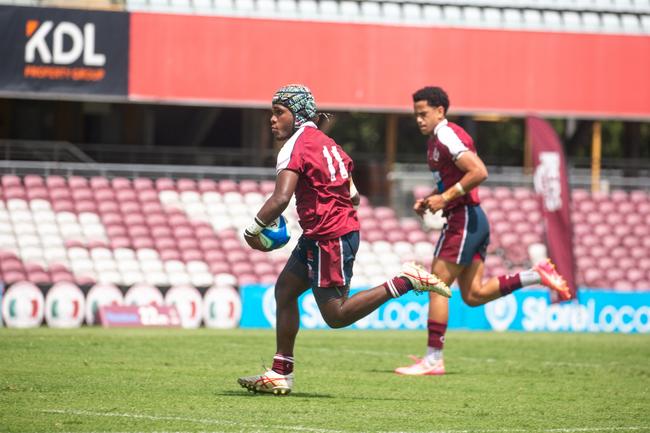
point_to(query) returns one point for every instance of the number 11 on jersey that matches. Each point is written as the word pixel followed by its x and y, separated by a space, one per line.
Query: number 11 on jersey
pixel 330 163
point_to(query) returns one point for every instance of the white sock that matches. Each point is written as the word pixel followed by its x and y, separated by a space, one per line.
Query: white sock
pixel 529 278
pixel 433 355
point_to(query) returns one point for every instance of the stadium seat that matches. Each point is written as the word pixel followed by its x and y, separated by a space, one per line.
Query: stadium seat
pixel 143 183
pixel 165 184
pixel 99 182
pixel 94 225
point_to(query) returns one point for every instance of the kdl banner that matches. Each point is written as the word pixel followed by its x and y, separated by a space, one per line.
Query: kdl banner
pixel 524 310
pixel 63 51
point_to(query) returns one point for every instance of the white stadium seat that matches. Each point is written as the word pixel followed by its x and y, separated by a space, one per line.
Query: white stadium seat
pixel 156 278
pixel 190 197
pixel 66 218
pixel 17 204
pixel 130 278
pixel 179 278
pixel 370 9
pixel 53 254
pixel 112 277
pixel 101 254
pixel 212 197
pixel 224 279
pixel 104 265
pixel 201 279
pixel 124 254
pixel 40 205
pixel 147 254
pixel 174 266
pixel 125 266
pixel 154 265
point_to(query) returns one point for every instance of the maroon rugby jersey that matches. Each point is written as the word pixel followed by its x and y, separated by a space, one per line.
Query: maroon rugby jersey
pixel 446 144
pixel 323 190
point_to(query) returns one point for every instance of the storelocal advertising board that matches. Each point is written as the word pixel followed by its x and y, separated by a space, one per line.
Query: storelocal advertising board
pixel 524 310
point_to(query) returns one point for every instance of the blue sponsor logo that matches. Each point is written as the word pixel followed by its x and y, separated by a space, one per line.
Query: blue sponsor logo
pixel 525 310
pixel 123 318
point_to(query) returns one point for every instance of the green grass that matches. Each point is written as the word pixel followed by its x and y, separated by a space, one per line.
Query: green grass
pixel 96 380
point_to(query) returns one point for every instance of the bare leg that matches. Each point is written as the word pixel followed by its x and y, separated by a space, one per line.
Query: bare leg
pixel 340 311
pixel 473 290
pixel 439 305
pixel 287 290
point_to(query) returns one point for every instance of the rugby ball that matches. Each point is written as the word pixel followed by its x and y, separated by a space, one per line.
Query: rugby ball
pixel 276 234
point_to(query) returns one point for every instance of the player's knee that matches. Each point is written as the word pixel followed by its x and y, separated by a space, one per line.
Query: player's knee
pixel 334 320
pixel 472 299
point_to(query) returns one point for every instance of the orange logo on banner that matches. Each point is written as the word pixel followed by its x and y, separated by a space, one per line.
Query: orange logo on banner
pixel 31 27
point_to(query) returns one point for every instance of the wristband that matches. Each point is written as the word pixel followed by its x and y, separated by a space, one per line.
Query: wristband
pixel 353 189
pixel 255 228
pixel 456 191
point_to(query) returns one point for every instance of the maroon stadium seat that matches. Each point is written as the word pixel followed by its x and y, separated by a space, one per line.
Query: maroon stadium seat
pixel 121 183
pixel 147 196
pixel 165 184
pixel 14 276
pixel 33 181
pixel 227 185
pixel 81 194
pixel 63 206
pixel 169 254
pixel 37 192
pixel 143 183
pixel 246 186
pixel 186 185
pixel 99 182
pixel 205 185
pixel 188 255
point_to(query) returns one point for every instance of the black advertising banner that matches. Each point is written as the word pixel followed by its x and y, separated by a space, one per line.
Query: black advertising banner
pixel 63 51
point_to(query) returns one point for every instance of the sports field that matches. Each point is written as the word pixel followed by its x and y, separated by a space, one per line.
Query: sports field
pixel 96 380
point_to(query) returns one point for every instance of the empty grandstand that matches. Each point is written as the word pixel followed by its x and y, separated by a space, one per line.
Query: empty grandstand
pixel 182 231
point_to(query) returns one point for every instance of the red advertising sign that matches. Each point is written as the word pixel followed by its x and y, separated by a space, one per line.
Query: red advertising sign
pixel 225 60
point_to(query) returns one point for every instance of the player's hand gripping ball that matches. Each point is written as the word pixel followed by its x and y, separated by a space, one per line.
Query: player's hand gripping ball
pixel 276 234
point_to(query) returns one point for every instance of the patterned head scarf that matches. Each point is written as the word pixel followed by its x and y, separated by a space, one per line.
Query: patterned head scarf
pixel 299 100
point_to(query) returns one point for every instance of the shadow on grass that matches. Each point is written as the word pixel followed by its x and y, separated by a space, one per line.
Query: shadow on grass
pixel 246 394
pixel 294 395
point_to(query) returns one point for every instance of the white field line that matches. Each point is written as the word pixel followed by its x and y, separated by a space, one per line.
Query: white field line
pixel 548 430
pixel 209 421
pixel 260 428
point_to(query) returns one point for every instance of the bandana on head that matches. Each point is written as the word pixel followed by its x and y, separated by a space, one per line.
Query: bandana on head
pixel 299 100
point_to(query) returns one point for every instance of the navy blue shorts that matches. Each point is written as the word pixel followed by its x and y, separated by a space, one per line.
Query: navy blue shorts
pixel 465 237
pixel 325 263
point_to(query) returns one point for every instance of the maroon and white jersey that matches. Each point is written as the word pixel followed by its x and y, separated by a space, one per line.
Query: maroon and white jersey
pixel 323 191
pixel 445 146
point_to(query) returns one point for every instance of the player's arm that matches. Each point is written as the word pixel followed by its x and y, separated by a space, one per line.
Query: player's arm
pixel 355 197
pixel 285 186
pixel 420 205
pixel 475 174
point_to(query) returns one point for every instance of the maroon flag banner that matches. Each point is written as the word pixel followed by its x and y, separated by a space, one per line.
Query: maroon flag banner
pixel 552 186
